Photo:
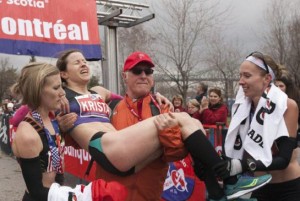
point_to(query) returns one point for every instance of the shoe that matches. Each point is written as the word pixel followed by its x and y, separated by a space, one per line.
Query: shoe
pixel 246 184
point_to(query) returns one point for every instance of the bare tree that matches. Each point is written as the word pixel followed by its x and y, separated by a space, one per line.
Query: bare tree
pixel 224 58
pixel 130 40
pixel 179 30
pixel 283 40
pixel 8 77
pixel 276 40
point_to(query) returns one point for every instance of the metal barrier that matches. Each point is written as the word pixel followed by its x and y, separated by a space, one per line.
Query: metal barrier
pixel 216 134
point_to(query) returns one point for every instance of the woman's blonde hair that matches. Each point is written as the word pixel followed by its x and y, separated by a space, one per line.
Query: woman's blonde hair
pixel 31 82
pixel 195 103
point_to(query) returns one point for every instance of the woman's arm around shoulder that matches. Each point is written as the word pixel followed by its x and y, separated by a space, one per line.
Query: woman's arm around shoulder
pixel 27 142
pixel 106 94
pixel 291 117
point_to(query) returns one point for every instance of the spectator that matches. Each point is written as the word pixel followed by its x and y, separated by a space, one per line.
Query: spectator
pixel 287 85
pixel 177 101
pixel 10 109
pixel 201 91
pixel 213 109
pixel 193 107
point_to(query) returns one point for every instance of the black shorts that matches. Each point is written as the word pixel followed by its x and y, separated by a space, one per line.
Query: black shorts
pixel 285 191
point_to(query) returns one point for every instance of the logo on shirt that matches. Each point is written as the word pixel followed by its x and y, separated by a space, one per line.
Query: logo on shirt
pixel 180 181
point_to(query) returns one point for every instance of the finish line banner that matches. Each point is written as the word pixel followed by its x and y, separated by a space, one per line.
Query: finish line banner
pixel 46 27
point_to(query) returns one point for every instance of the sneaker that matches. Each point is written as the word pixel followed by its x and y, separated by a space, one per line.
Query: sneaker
pixel 246 184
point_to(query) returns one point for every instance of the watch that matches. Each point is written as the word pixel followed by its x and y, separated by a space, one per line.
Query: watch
pixel 251 164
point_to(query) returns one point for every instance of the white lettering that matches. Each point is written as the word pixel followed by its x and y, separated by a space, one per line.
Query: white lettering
pixel 85 31
pixel 41 29
pixel 25 28
pixel 80 154
pixel 38 29
pixel 74 33
pixel 29 3
pixel 9 26
pixel 59 30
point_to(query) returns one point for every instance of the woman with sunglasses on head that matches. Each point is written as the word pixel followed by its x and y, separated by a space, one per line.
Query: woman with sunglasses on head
pixel 261 137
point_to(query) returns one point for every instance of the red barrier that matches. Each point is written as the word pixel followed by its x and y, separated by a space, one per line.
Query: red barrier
pixel 76 163
pixel 216 136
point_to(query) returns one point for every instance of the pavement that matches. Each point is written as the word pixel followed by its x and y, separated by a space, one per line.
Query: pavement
pixel 12 184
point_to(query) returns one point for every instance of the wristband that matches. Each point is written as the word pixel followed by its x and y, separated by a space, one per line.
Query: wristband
pixel 251 164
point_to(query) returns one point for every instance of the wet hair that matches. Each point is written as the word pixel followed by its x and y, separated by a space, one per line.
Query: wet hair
pixel 217 91
pixel 31 82
pixel 61 62
pixel 277 69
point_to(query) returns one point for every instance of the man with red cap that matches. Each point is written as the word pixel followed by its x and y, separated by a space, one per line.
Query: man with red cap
pixel 139 104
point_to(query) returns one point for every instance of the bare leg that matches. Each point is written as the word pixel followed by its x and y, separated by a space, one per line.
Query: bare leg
pixel 133 145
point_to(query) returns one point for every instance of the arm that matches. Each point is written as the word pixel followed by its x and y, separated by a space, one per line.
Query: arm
pixel 286 145
pixel 19 115
pixel 106 94
pixel 163 102
pixel 27 146
pixel 281 160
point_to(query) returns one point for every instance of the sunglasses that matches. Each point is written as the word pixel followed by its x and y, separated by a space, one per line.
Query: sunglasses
pixel 138 71
pixel 260 56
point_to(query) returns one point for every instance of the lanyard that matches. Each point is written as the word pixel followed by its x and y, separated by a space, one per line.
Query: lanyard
pixel 140 107
pixel 54 145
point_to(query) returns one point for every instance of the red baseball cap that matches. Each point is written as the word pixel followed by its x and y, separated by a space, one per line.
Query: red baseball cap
pixel 136 58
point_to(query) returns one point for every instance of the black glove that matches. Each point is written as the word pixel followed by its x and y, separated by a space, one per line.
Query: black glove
pixel 222 169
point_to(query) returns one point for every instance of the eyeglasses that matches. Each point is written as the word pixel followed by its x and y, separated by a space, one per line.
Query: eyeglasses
pixel 260 56
pixel 138 71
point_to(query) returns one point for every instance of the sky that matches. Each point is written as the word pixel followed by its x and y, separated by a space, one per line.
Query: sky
pixel 246 22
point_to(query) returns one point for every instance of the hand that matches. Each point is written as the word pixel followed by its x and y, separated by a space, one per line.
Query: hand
pixel 163 121
pixel 64 107
pixel 204 103
pixel 66 121
pixel 164 102
pixel 228 167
